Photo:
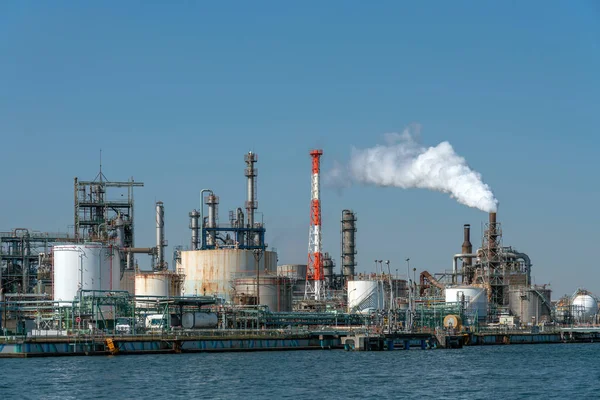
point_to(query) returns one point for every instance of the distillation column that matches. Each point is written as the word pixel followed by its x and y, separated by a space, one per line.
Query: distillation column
pixel 160 236
pixel 213 214
pixel 195 227
pixel 348 244
pixel 251 203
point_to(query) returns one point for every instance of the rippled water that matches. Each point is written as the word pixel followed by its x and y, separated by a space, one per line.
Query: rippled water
pixel 504 372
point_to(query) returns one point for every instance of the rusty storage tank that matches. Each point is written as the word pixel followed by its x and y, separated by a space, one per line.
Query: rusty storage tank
pixel 273 291
pixel 150 285
pixel 297 274
pixel 531 305
pixel 212 272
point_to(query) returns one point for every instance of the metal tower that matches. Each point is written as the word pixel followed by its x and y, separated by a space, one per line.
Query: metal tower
pixel 314 272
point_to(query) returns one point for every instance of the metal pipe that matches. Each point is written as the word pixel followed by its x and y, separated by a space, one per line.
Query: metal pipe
pixel 515 254
pixel 140 250
pixel 454 263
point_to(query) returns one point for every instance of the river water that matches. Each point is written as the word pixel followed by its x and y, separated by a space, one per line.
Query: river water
pixel 570 371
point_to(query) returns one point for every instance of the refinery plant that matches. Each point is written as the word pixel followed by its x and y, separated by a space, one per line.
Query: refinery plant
pixel 84 290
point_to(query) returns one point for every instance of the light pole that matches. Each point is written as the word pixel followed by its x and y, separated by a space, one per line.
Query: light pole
pixel 409 310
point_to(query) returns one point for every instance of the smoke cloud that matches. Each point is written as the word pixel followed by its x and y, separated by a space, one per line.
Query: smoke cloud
pixel 402 162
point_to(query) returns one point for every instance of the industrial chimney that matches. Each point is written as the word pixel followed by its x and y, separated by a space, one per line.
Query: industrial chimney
pixel 467 248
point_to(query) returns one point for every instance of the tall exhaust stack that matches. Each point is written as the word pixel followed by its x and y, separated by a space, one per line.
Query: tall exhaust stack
pixel 467 248
pixel 160 235
pixel 251 203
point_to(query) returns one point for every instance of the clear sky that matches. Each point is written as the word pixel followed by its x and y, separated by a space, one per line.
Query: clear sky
pixel 175 93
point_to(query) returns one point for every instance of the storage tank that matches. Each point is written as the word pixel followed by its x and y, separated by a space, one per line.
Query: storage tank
pixel 292 271
pixel 584 307
pixel 475 299
pixel 199 320
pixel 91 266
pixel 274 292
pixel 212 272
pixel 532 305
pixel 364 296
pixel 153 284
pixel 297 274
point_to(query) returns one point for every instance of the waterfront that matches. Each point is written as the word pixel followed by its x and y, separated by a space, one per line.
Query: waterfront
pixel 516 372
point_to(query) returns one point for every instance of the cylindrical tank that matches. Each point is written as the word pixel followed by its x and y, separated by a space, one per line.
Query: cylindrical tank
pixel 212 272
pixel 153 284
pixel 297 274
pixel 474 299
pixel 274 292
pixel 532 305
pixel 584 307
pixel 292 271
pixel 365 296
pixel 91 266
pixel 199 320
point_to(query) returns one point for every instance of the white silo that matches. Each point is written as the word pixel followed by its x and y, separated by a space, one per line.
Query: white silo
pixel 90 266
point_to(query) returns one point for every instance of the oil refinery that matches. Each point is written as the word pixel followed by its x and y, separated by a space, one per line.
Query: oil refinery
pixel 83 292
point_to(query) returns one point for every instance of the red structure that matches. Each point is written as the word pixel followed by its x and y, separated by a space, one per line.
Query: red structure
pixel 314 272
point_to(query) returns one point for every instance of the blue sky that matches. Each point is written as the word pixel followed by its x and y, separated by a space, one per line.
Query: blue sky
pixel 176 92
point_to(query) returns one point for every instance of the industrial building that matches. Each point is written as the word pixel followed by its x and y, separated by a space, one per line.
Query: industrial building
pixel 227 278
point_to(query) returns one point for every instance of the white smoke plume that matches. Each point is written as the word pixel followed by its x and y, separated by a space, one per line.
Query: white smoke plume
pixel 402 162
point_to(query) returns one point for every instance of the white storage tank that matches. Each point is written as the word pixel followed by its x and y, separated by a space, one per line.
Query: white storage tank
pixel 584 307
pixel 365 296
pixel 199 320
pixel 91 266
pixel 475 299
pixel 212 272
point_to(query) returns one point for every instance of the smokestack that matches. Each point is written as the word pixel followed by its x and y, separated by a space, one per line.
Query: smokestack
pixel 160 235
pixel 467 247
